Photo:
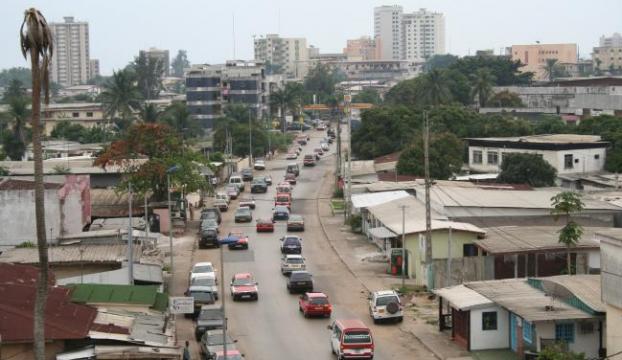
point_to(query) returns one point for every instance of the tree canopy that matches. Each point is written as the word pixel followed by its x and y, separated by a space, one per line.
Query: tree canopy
pixel 445 156
pixel 149 72
pixel 15 73
pixel 179 63
pixel 529 169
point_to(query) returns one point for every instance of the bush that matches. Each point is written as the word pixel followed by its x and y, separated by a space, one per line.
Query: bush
pixel 356 222
pixel 528 169
pixel 338 193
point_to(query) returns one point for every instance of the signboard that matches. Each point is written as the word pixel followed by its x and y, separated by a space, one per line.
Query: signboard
pixel 181 305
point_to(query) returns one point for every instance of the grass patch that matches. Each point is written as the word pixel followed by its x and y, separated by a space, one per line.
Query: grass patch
pixel 337 204
pixel 409 289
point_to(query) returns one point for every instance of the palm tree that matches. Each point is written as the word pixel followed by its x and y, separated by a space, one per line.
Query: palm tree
pixel 434 89
pixel 550 68
pixel 482 83
pixel 36 41
pixel 565 204
pixel 149 113
pixel 281 99
pixel 120 97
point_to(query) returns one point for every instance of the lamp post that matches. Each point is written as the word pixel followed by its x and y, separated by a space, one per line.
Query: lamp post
pixel 170 170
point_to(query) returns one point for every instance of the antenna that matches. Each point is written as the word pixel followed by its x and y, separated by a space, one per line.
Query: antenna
pixel 233 33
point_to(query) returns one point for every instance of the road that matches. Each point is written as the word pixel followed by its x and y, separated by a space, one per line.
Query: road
pixel 272 327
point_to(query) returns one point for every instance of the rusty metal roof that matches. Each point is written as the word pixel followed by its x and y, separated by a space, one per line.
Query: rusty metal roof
pixel 21 274
pixel 72 254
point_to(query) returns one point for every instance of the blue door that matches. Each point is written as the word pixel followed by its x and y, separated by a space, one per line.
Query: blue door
pixel 513 332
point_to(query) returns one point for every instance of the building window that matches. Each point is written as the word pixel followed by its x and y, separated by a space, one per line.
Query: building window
pixel 527 331
pixel 89 114
pixel 76 114
pixel 469 250
pixel 568 161
pixel 477 156
pixel 597 156
pixel 493 157
pixel 564 332
pixel 489 320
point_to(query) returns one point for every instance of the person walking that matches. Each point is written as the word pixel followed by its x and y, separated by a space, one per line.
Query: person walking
pixel 187 351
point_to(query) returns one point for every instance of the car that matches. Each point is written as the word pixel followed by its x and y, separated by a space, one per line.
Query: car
pixel 201 296
pixel 205 283
pixel 302 140
pixel 222 195
pixel 291 244
pixel 233 191
pixel 211 317
pixel 208 238
pixel 314 304
pixel 260 164
pixel 324 146
pixel 295 223
pixel 244 286
pixel 318 151
pixel 309 160
pixel 237 181
pixel 284 187
pixel 268 179
pixel 211 213
pixel 204 268
pixel 212 341
pixel 291 263
pixel 351 339
pixel 300 282
pixel 221 205
pixel 385 305
pixel 291 156
pixel 283 199
pixel 259 186
pixel 290 178
pixel 249 203
pixel 231 355
pixel 265 225
pixel 235 240
pixel 243 214
pixel 209 223
pixel 293 169
pixel 321 127
pixel 280 212
pixel 247 174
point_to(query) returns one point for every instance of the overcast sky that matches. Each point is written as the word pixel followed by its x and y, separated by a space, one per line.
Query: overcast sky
pixel 118 29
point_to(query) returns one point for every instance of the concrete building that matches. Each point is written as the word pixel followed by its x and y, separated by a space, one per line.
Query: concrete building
pixel 363 48
pixel 160 55
pixel 88 115
pixel 567 153
pixel 203 93
pixel 611 277
pixel 94 68
pixel 608 59
pixel 71 61
pixel 614 40
pixel 535 56
pixel 408 36
pixel 288 55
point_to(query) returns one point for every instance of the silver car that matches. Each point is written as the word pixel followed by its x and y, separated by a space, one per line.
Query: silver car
pixel 291 263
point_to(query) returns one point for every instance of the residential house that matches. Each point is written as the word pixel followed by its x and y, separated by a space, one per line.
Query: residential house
pixel 387 162
pixel 88 115
pixel 611 277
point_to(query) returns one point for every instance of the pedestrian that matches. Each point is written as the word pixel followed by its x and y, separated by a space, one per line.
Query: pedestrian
pixel 187 351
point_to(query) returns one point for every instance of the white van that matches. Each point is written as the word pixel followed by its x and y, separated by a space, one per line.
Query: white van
pixel 237 181
pixel 223 196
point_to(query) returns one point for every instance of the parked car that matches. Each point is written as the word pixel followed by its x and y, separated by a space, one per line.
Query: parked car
pixel 265 225
pixel 243 214
pixel 237 181
pixel 247 174
pixel 221 205
pixel 211 317
pixel 222 195
pixel 291 244
pixel 209 223
pixel 351 339
pixel 235 240
pixel 291 263
pixel 205 283
pixel 212 341
pixel 280 213
pixel 201 269
pixel 283 199
pixel 201 297
pixel 208 238
pixel 233 191
pixel 211 213
pixel 231 355
pixel 291 156
pixel 293 169
pixel 290 178
pixel 259 186
pixel 321 127
pixel 295 223
pixel 284 187
pixel 318 151
pixel 385 305
pixel 309 160
pixel 260 164
pixel 268 180
pixel 244 286
pixel 302 140
pixel 300 282
pixel 249 203
pixel 314 304
pixel 324 146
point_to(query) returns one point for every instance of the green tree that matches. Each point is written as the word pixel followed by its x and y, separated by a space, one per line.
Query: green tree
pixel 321 81
pixel 481 83
pixel 445 157
pixel 120 96
pixel 68 131
pixel 384 130
pixel 528 169
pixel 440 62
pixel 505 71
pixel 178 117
pixel 550 69
pixel 557 352
pixel 20 74
pixel 15 89
pixel 288 98
pixel 434 89
pixel 566 204
pixel 149 113
pixel 149 72
pixel 179 63
pixel 505 98
pixel 369 96
pixel 98 80
pixel 552 125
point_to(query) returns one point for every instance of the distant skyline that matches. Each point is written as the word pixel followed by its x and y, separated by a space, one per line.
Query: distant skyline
pixel 119 29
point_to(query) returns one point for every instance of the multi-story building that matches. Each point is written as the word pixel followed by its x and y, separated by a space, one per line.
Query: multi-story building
pixel 614 40
pixel 93 68
pixel 608 56
pixel 160 55
pixel 71 61
pixel 408 36
pixel 363 48
pixel 535 56
pixel 203 93
pixel 288 55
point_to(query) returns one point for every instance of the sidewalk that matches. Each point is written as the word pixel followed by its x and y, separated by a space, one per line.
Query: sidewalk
pixel 354 250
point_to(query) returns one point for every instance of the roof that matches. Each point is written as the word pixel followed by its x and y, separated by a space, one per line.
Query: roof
pixel 542 142
pixel 463 298
pixel 390 185
pixel 373 199
pixel 133 327
pixel 363 167
pixel 63 319
pixel 21 274
pixel 119 294
pixel 145 273
pixel 393 176
pixel 72 254
pixel 108 203
pixel 586 288
pixel 120 352
pixel 352 323
pixel 517 296
pixel 381 232
pixel 523 239
pixel 15 184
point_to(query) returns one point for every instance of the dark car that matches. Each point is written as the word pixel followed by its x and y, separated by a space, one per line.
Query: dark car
pixel 201 297
pixel 295 223
pixel 243 214
pixel 290 178
pixel 212 341
pixel 247 174
pixel 211 317
pixel 211 213
pixel 291 245
pixel 209 238
pixel 280 213
pixel 259 186
pixel 300 282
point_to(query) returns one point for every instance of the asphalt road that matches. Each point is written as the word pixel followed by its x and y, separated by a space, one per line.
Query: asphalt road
pixel 272 327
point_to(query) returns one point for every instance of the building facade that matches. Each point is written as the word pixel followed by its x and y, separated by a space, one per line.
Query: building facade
pixel 363 48
pixel 607 58
pixel 88 115
pixel 93 68
pixel 535 56
pixel 159 55
pixel 611 277
pixel 71 62
pixel 614 40
pixel 287 55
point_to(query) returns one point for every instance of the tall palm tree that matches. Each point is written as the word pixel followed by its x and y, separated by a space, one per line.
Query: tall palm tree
pixel 149 113
pixel 481 85
pixel 36 42
pixel 434 89
pixel 550 68
pixel 120 97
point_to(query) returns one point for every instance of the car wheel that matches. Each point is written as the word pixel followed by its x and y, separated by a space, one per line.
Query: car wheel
pixel 304 313
pixel 376 321
pixel 400 319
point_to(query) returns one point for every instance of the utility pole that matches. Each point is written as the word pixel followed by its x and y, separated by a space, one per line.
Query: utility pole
pixel 349 168
pixel 338 144
pixel 130 242
pixel 147 224
pixel 428 215
pixel 250 140
pixel 449 243
pixel 222 297
pixel 403 245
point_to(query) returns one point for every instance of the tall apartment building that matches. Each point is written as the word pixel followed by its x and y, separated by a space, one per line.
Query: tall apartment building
pixel 412 36
pixel 288 54
pixel 160 55
pixel 93 68
pixel 614 40
pixel 71 61
pixel 535 56
pixel 363 48
pixel 608 56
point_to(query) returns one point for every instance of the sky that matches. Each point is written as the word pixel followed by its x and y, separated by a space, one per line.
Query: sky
pixel 205 28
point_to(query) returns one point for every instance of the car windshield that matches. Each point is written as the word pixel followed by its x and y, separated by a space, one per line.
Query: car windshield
pixel 203 296
pixel 231 188
pixel 243 210
pixel 300 277
pixel 210 314
pixel 209 223
pixel 319 301
pixel 295 261
pixel 385 300
pixel 204 281
pixel 216 339
pixel 282 198
pixel 243 281
pixel 203 269
pixel 357 337
pixel 295 218
pixel 291 241
pixel 281 209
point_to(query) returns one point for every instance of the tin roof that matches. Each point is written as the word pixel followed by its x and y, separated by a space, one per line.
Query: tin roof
pixel 21 274
pixel 72 254
pixel 119 294
pixel 523 239
pixel 585 288
pixel 373 199
pixel 463 298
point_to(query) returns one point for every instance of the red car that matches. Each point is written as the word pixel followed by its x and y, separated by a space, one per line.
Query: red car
pixel 244 287
pixel 314 304
pixel 290 178
pixel 265 225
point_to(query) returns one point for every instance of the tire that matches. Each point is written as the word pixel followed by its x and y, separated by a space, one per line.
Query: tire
pixel 393 308
pixel 400 319
pixel 376 321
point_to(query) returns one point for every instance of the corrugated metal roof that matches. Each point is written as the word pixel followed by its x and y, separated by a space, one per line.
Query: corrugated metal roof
pixel 151 273
pixel 140 328
pixel 463 298
pixel 521 239
pixel 119 294
pixel 373 199
pixel 381 232
pixel 68 254
pixel 22 274
pixel 584 287
pixel 390 185
pixel 547 138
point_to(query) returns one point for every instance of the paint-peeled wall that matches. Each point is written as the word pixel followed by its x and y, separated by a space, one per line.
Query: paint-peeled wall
pixel 75 199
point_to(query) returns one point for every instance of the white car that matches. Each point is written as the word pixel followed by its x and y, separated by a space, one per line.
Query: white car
pixel 223 196
pixel 260 164
pixel 291 156
pixel 291 263
pixel 385 305
pixel 202 269
pixel 324 146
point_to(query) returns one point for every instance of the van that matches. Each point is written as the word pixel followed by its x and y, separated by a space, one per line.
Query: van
pixel 284 199
pixel 351 339
pixel 237 181
pixel 293 169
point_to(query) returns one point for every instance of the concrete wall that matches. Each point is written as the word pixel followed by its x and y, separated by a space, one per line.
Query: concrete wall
pixel 614 331
pixel 490 339
pixel 463 269
pixel 583 343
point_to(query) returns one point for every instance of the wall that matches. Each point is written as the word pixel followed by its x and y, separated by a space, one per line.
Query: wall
pixel 463 269
pixel 75 197
pixel 490 339
pixel 585 343
pixel 63 272
pixel 614 331
pixel 534 56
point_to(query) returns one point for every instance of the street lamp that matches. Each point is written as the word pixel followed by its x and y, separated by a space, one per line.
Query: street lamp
pixel 169 171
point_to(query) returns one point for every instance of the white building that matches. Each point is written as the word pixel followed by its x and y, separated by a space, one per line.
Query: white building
pixel 289 55
pixel 71 61
pixel 412 36
pixel 614 40
pixel 567 153
pixel 611 265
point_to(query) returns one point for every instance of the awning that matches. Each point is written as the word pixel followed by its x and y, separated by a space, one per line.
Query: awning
pixel 463 298
pixel 381 232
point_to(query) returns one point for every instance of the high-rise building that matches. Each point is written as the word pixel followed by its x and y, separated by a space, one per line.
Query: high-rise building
pixel 535 56
pixel 93 68
pixel 408 36
pixel 160 55
pixel 363 48
pixel 70 63
pixel 614 40
pixel 286 55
